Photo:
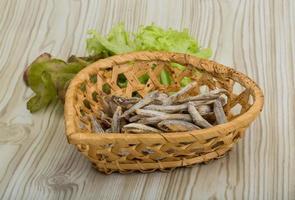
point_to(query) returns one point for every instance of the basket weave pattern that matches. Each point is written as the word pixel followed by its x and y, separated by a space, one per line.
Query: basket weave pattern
pixel 112 152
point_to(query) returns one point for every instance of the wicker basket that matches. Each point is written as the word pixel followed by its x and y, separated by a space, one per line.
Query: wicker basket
pixel 112 152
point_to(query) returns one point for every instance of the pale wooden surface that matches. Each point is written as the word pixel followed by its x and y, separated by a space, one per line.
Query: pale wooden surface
pixel 256 37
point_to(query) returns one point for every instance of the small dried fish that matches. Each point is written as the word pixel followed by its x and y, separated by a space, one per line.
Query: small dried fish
pixel 149 113
pixel 162 99
pixel 197 118
pixel 108 105
pixel 168 108
pixel 116 120
pixel 170 113
pixel 123 122
pixel 181 92
pixel 213 94
pixel 176 125
pixel 135 118
pixel 204 89
pixel 105 105
pixel 95 125
pixel 219 112
pixel 222 100
pixel 125 102
pixel 113 106
pixel 105 118
pixel 176 108
pixel 157 119
pixel 139 128
pixel 143 102
pixel 204 109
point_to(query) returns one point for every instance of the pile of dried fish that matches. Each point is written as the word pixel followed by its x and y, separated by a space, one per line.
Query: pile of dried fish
pixel 158 112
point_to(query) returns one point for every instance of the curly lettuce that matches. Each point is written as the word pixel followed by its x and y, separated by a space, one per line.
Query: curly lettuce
pixel 49 78
pixel 151 38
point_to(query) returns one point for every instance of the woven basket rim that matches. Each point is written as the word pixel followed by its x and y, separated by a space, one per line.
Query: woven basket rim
pixel 241 121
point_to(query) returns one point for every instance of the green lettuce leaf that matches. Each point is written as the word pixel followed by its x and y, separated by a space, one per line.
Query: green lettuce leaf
pixel 185 81
pixel 45 93
pixel 49 78
pixel 117 42
pixel 204 53
pixel 148 38
pixel 155 38
pixel 178 66
pixel 165 77
pixel 143 79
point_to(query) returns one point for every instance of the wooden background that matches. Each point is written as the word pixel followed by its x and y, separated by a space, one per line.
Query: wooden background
pixel 256 37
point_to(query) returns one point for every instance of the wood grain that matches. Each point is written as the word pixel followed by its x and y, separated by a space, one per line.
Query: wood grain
pixel 255 37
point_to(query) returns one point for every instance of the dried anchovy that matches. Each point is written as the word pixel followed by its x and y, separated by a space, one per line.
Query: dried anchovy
pixel 176 108
pixel 95 125
pixel 105 105
pixel 204 109
pixel 113 106
pixel 181 92
pixel 143 102
pixel 123 122
pixel 214 94
pixel 105 118
pixel 116 120
pixel 197 118
pixel 139 128
pixel 222 100
pixel 176 125
pixel 168 108
pixel 204 89
pixel 135 118
pixel 149 113
pixel 125 102
pixel 108 105
pixel 169 113
pixel 162 99
pixel 219 112
pixel 157 119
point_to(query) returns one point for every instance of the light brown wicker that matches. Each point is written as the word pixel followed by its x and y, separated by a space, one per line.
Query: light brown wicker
pixel 110 152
